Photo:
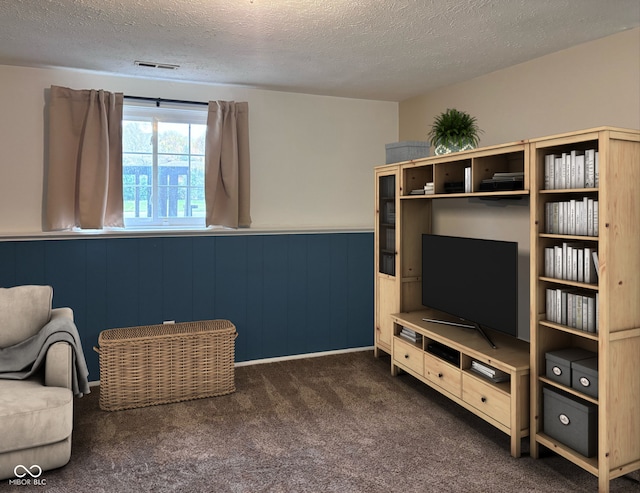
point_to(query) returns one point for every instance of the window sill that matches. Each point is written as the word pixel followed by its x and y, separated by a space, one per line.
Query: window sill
pixel 178 231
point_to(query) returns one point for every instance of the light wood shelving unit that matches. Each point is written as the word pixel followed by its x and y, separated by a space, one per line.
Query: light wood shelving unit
pixel 617 342
pixel 398 244
pixel 398 296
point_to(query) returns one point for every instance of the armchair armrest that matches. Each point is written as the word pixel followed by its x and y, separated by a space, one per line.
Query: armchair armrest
pixel 64 312
pixel 58 371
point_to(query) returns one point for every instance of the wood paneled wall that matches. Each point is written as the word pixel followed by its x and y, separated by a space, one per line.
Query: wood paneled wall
pixel 287 294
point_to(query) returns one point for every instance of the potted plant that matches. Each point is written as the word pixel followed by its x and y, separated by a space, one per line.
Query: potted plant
pixel 454 131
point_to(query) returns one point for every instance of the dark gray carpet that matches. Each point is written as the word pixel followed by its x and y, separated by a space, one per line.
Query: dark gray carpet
pixel 328 424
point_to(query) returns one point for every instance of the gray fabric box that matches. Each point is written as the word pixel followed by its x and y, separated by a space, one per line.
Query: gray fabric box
pixel 571 421
pixel 406 150
pixel 584 376
pixel 558 363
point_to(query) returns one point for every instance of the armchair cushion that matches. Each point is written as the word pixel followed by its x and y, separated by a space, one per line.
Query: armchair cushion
pixel 24 310
pixel 32 415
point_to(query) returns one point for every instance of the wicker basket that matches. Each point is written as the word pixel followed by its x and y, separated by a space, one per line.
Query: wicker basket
pixel 159 364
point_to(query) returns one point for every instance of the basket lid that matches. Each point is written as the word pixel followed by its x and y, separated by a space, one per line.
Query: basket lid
pixel 163 330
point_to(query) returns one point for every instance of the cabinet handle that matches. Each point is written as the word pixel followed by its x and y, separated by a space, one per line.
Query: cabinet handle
pixel 483 399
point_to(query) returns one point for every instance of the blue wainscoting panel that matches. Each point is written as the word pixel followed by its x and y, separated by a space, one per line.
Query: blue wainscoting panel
pixel 318 328
pixel 360 281
pixel 231 301
pixel 32 261
pixel 287 294
pixel 152 280
pixel 204 275
pixel 270 278
pixel 252 347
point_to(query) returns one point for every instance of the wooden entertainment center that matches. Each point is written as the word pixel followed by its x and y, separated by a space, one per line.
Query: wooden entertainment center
pixel 403 214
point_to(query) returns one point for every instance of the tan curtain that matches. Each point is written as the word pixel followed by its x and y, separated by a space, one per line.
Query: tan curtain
pixel 84 176
pixel 227 165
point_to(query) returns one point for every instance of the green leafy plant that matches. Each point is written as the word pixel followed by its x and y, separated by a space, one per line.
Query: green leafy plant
pixel 454 127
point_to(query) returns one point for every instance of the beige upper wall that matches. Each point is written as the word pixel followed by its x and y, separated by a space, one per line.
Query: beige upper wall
pixel 589 85
pixel 312 157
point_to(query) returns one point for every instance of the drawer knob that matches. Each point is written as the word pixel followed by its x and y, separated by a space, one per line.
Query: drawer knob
pixel 564 419
pixel 585 381
pixel 483 399
pixel 406 356
pixel 440 375
pixel 557 371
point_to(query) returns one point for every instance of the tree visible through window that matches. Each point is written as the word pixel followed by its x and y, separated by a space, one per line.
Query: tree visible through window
pixel 163 166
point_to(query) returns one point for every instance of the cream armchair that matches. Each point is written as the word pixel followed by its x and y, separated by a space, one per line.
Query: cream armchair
pixel 36 412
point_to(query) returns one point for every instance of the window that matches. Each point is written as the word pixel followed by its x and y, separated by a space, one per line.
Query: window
pixel 163 166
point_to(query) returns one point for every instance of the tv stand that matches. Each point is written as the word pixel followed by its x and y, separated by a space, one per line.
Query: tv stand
pixel 503 404
pixel 458 324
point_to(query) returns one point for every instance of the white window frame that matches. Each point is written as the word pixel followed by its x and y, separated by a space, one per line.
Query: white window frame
pixel 154 114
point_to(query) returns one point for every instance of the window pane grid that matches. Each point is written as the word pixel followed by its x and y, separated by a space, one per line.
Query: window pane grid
pixel 164 186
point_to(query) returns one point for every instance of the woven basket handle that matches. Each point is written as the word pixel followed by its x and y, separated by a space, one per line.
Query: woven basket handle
pixel 96 349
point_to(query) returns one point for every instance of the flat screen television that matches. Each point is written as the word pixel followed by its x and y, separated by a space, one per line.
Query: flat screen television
pixel 475 280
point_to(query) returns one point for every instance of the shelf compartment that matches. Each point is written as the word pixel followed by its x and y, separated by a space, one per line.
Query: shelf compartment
pixel 558 147
pixel 573 308
pixel 590 464
pixel 448 173
pixel 485 167
pixel 415 177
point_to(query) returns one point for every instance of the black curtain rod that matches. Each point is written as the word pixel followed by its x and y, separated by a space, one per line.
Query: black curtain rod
pixel 162 100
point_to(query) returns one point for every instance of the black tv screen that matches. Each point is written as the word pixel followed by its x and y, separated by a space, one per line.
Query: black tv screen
pixel 472 279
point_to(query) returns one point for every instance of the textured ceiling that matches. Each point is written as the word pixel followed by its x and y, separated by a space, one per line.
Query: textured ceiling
pixel 371 49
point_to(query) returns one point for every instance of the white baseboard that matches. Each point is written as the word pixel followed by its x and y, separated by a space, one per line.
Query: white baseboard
pixel 302 356
pixel 96 383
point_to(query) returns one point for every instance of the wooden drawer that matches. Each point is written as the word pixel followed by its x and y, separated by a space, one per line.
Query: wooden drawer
pixel 443 374
pixel 487 399
pixel 407 355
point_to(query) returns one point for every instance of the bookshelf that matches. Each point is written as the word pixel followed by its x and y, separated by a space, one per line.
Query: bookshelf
pixel 612 326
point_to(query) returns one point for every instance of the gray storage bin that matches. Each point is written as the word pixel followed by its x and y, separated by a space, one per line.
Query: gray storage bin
pixel 571 421
pixel 406 150
pixel 584 376
pixel 558 363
